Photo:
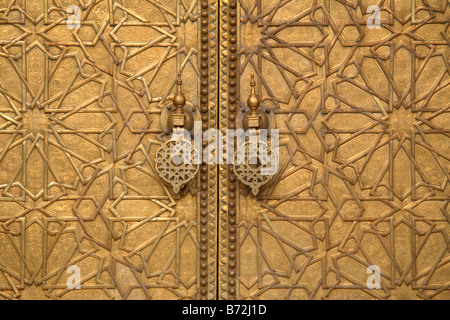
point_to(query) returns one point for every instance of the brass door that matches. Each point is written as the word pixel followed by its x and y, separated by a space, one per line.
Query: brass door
pixel 362 109
pixel 80 126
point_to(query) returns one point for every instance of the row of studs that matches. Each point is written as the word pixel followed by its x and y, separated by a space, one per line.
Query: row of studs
pixel 232 181
pixel 204 185
pixel 224 169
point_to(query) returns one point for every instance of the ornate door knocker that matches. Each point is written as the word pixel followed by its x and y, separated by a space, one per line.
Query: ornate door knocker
pixel 256 155
pixel 175 160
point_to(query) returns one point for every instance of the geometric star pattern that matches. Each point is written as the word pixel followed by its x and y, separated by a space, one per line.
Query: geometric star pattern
pixel 364 124
pixel 79 131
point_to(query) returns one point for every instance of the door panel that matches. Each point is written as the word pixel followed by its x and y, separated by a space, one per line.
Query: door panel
pixel 364 123
pixel 79 129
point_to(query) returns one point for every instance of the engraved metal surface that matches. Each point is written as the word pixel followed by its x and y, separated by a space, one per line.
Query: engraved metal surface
pixel 364 127
pixel 175 170
pixel 364 124
pixel 79 129
pixel 251 173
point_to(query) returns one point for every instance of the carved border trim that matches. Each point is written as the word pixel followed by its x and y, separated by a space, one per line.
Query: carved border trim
pixel 207 194
pixel 229 96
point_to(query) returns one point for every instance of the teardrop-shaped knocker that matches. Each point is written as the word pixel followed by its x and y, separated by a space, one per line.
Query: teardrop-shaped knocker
pixel 256 155
pixel 176 159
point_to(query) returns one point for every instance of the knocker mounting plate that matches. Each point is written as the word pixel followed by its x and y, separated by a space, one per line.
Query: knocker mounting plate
pixel 171 165
pixel 258 169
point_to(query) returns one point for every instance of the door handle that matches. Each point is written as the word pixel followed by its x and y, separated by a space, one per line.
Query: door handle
pixel 175 159
pixel 253 164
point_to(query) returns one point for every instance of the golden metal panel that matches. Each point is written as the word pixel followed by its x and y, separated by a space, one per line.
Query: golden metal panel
pixel 79 128
pixel 363 115
pixel 364 124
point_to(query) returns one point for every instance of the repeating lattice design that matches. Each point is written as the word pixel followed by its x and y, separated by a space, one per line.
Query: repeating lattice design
pixel 174 166
pixel 259 165
pixel 364 151
pixel 79 131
